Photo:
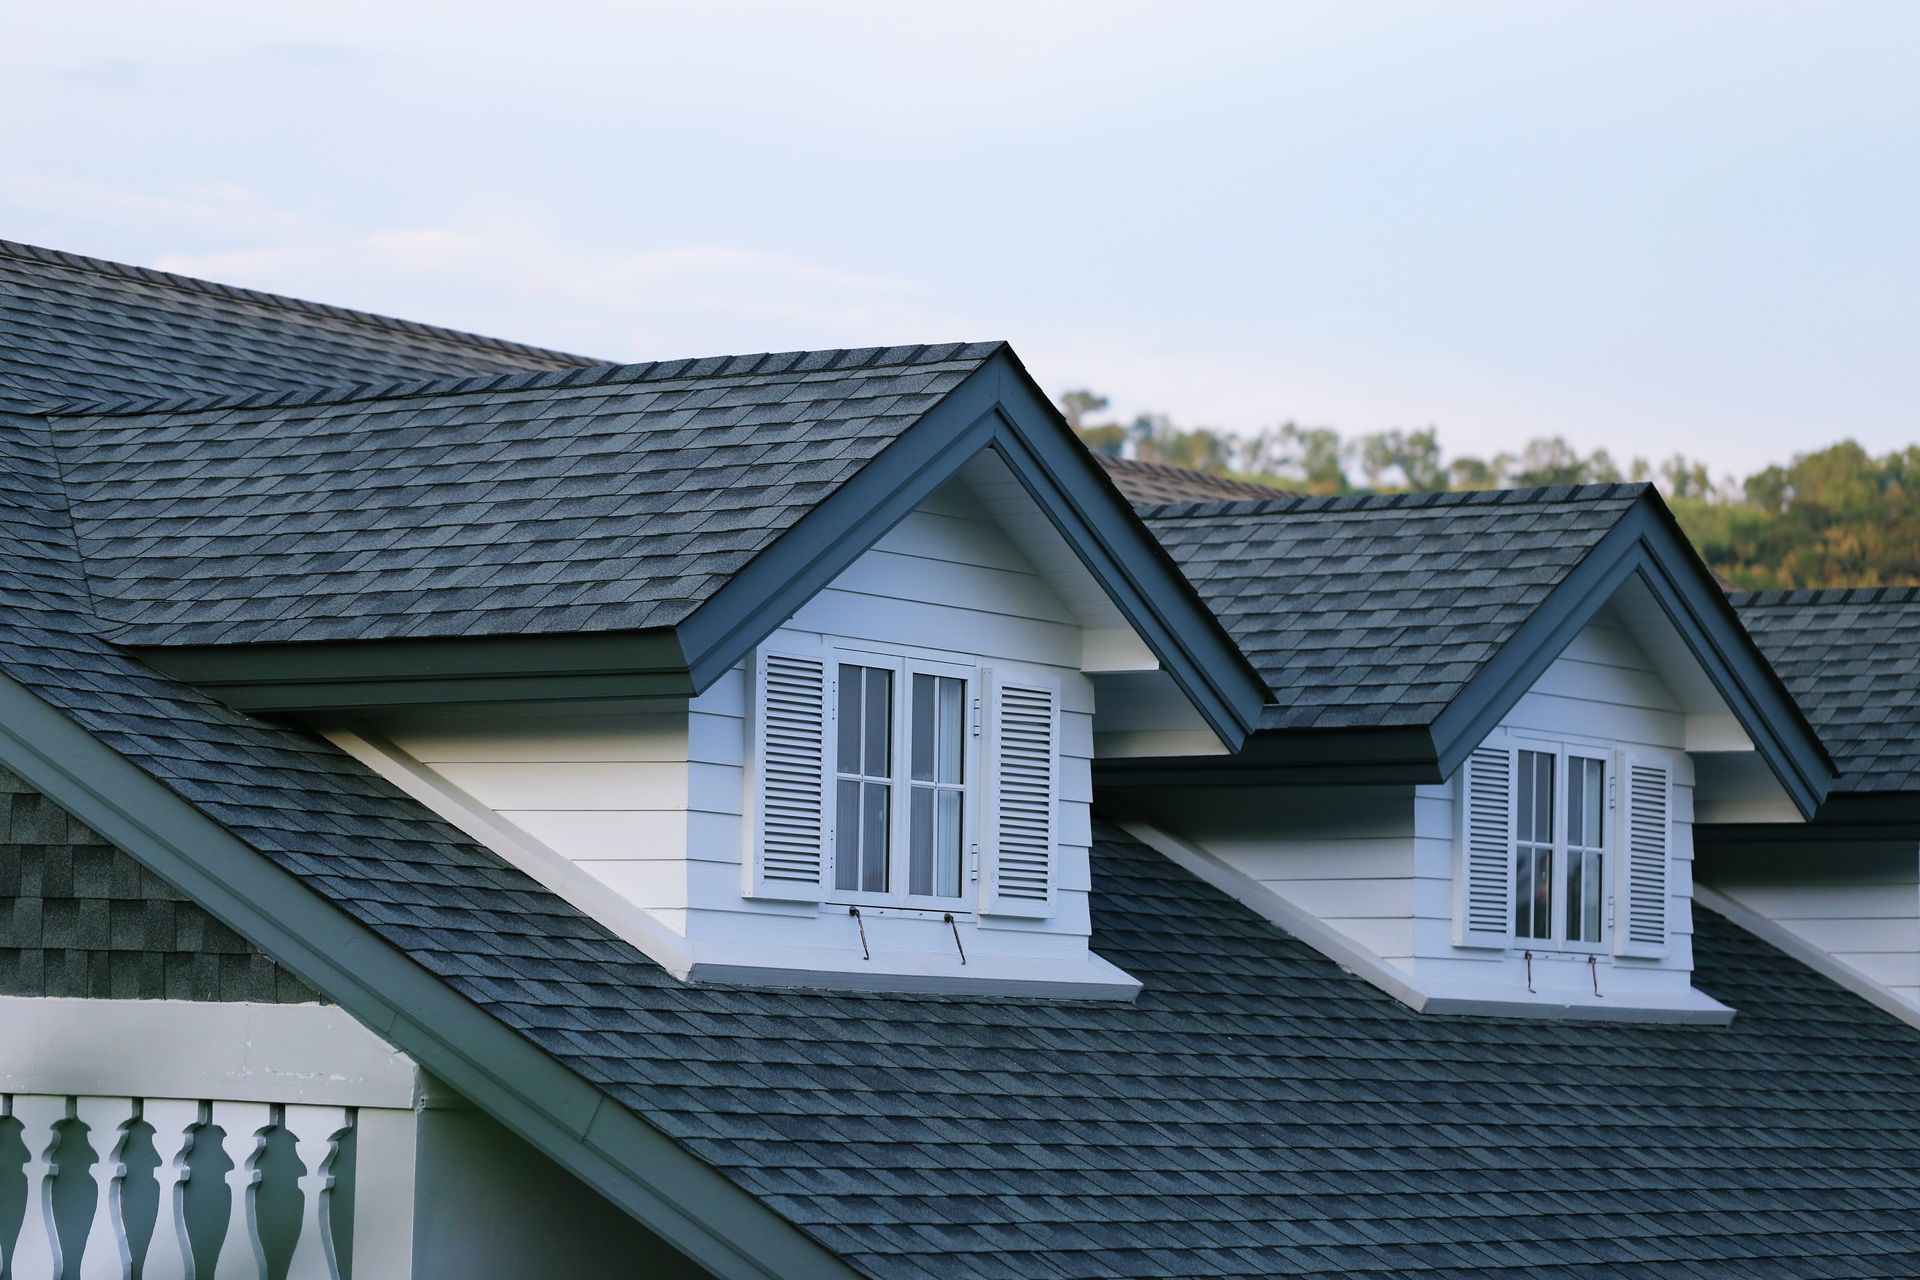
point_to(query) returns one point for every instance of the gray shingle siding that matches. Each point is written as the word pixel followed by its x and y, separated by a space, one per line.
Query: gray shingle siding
pixel 1851 658
pixel 80 918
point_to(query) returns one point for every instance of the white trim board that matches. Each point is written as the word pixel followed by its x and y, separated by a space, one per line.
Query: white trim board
pixel 1453 998
pixel 1818 959
pixel 230 1051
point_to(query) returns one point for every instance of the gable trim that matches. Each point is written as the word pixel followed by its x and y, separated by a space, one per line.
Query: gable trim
pixel 997 407
pixel 686 1202
pixel 1646 543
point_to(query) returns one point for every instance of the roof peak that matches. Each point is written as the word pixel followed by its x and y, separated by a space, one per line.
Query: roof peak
pixel 1398 501
pixel 1823 595
pixel 826 360
pixel 213 288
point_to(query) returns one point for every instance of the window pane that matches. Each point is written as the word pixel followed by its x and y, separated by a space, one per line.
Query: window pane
pixel 1542 798
pixel 878 735
pixel 1523 815
pixel 1593 778
pixel 1576 806
pixel 1597 865
pixel 953 728
pixel 920 837
pixel 874 806
pixel 846 840
pixel 1522 892
pixel 850 686
pixel 1576 890
pixel 947 846
pixel 921 727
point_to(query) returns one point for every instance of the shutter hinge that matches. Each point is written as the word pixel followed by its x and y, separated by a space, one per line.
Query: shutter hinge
pixel 976 717
pixel 973 862
pixel 1613 792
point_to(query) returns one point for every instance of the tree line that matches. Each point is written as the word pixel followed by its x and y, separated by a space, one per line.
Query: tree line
pixel 1838 516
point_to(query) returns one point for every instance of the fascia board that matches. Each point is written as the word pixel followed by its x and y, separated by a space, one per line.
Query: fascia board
pixel 1644 544
pixel 994 408
pixel 684 1201
pixel 362 674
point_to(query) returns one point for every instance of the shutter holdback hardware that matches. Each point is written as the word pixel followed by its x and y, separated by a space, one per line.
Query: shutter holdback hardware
pixel 1529 959
pixel 865 954
pixel 1593 968
pixel 953 925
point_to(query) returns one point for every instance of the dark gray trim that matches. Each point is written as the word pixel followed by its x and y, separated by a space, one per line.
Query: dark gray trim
pixel 997 407
pixel 1648 544
pixel 685 1202
pixel 1308 757
pixel 1732 837
pixel 343 675
pixel 1645 543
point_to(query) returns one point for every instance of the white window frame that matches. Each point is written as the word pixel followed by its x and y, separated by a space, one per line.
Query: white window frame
pixel 905 665
pixel 1562 752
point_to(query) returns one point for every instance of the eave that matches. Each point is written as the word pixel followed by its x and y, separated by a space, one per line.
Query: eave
pixel 998 408
pixel 1645 544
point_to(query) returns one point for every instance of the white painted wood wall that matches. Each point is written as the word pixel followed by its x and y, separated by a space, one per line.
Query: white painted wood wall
pixel 649 795
pixel 1377 862
pixel 1857 901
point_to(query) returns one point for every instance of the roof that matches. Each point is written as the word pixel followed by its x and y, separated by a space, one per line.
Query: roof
pixel 1153 483
pixel 1257 1112
pixel 1378 610
pixel 612 498
pixel 72 325
pixel 1851 656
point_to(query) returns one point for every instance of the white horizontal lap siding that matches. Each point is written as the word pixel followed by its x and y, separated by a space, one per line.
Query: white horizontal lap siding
pixel 1603 690
pixel 1859 903
pixel 1343 854
pixel 617 788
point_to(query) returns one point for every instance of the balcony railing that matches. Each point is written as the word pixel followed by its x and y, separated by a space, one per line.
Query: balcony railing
pixel 105 1188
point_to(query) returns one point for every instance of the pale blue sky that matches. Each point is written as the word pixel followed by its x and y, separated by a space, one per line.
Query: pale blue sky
pixel 1648 227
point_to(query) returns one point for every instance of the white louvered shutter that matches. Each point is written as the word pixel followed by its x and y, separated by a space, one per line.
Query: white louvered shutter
pixel 1022 748
pixel 791 825
pixel 1484 891
pixel 1644 847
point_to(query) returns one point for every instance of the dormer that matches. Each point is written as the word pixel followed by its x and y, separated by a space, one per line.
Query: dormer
pixel 1496 717
pixel 788 669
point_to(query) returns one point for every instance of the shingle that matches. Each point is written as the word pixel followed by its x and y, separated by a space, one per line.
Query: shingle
pixel 1320 592
pixel 1851 659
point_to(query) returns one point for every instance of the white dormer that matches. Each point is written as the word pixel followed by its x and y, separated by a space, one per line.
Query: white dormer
pixel 1551 873
pixel 891 791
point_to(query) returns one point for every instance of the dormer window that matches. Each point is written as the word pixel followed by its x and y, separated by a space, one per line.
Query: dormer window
pixel 1552 858
pixel 1559 843
pixel 900 817
pixel 898 779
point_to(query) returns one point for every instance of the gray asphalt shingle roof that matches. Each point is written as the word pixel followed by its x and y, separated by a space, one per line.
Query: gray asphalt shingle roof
pixel 1258 1112
pixel 1148 484
pixel 1376 611
pixel 71 325
pixel 1851 658
pixel 591 500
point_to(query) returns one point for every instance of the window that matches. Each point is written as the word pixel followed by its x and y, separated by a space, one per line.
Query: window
pixel 1541 863
pixel 892 779
pixel 901 779
pixel 1559 848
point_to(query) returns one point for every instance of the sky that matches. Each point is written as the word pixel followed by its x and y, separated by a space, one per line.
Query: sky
pixel 1648 227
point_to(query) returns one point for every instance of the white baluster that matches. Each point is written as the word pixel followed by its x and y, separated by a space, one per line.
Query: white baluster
pixel 240 1256
pixel 316 1133
pixel 168 1257
pixel 36 1250
pixel 104 1256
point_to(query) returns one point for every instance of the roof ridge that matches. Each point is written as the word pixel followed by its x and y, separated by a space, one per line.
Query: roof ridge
pixel 825 360
pixel 1174 469
pixel 175 280
pixel 1396 501
pixel 1776 597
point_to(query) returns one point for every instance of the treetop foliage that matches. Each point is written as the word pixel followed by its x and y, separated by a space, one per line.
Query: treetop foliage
pixel 1834 517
